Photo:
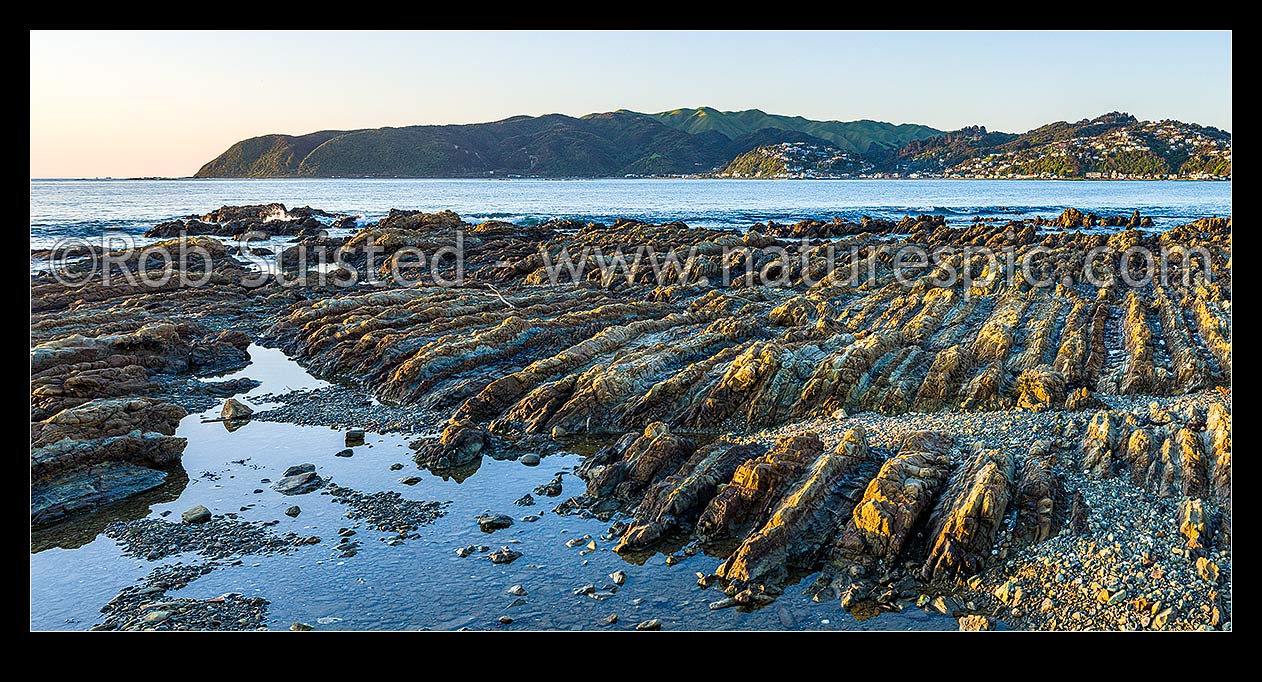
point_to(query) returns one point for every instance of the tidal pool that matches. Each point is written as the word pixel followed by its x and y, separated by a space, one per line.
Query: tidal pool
pixel 420 583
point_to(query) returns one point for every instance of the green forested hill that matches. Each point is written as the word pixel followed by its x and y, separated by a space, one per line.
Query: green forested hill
pixel 706 141
pixel 851 136
pixel 606 144
pixel 549 146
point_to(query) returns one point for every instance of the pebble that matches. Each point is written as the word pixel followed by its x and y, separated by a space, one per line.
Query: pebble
pixel 504 555
pixel 1009 593
pixel 387 510
pixel 530 459
pixel 517 591
pixel 300 627
pixel 293 511
pixel 618 577
pixel 345 453
pixel 654 624
pixel 974 623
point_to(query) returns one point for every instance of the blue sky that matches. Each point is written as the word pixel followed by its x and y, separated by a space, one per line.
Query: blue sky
pixel 163 103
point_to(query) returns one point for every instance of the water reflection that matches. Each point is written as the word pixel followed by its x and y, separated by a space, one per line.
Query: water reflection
pixel 419 583
pixel 80 528
pixel 460 473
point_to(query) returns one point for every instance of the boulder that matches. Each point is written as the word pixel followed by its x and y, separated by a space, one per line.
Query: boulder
pixel 299 483
pixel 196 514
pixel 234 409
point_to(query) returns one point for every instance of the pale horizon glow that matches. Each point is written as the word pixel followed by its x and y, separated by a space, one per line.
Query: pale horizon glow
pixel 162 103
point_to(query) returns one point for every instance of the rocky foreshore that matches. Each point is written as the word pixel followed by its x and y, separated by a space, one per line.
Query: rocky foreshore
pixel 1007 453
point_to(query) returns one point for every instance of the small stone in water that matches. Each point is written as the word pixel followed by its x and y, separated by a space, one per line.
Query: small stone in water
pixel 197 514
pixel 491 522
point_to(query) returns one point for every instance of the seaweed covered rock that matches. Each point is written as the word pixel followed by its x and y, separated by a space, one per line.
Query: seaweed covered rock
pixel 894 501
pixel 1099 444
pixel 1168 456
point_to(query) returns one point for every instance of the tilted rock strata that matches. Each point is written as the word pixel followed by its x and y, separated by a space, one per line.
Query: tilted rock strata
pixel 803 520
pixel 599 355
pixel 677 500
pixel 1188 455
pixel 963 527
pixel 756 486
pixel 902 493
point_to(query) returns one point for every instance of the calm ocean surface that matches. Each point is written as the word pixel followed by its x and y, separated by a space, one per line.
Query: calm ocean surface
pixel 90 207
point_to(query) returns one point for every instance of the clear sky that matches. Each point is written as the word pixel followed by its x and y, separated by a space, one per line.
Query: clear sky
pixel 163 103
